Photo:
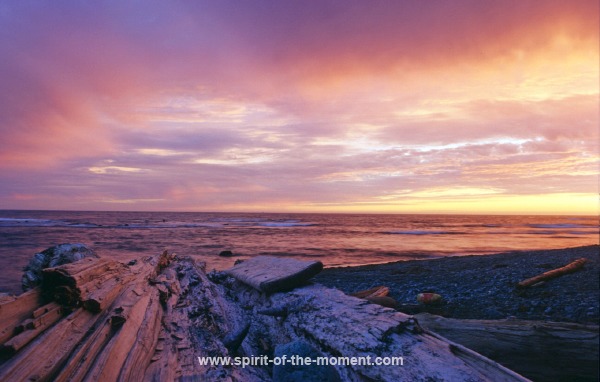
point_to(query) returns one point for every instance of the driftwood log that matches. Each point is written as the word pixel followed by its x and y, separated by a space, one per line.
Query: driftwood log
pixel 569 268
pixel 542 351
pixel 378 291
pixel 15 310
pixel 273 274
pixel 153 319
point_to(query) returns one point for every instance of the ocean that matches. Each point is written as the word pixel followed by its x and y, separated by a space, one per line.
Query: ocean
pixel 334 239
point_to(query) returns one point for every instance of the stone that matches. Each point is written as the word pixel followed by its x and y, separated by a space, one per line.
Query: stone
pixel 53 257
pixel 226 254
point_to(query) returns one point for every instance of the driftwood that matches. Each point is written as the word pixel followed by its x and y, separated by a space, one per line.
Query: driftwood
pixel 88 282
pixel 30 329
pixel 273 274
pixel 544 351
pixel 14 310
pixel 80 272
pixel 39 317
pixel 569 268
pixel 338 324
pixel 166 312
pixel 378 291
pixel 69 349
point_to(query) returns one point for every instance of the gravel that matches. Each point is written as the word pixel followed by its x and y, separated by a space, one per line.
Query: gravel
pixel 483 287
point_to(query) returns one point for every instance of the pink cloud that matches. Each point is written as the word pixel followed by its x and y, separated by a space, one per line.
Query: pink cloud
pixel 343 99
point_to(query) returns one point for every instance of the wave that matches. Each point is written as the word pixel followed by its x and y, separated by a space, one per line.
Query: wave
pixel 26 222
pixel 165 225
pixel 220 223
pixel 559 226
pixel 262 222
pixel 284 224
pixel 422 232
pixel 473 225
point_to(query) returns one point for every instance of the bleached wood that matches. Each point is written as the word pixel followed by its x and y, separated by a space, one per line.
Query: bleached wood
pixel 79 273
pixel 569 268
pixel 112 319
pixel 32 329
pixel 378 291
pixel 539 349
pixel 16 309
pixel 84 355
pixel 109 363
pixel 272 274
pixel 342 325
pixel 143 346
pixel 40 316
pixel 98 299
pixel 128 340
pixel 43 358
pixel 44 309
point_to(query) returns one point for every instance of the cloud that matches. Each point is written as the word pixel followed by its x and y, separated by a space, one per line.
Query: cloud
pixel 195 105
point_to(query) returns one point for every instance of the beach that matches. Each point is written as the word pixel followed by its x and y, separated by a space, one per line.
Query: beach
pixel 274 307
pixel 483 287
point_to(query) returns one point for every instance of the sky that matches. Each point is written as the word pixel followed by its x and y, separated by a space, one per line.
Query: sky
pixel 460 106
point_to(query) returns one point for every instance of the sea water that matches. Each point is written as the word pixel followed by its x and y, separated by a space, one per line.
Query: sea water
pixel 334 239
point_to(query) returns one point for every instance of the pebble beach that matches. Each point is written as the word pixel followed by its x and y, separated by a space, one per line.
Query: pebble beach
pixel 484 287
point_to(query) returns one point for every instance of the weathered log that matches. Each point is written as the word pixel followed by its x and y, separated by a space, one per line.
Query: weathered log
pixel 99 299
pixel 72 340
pixel 378 291
pixel 74 289
pixel 109 362
pixel 141 353
pixel 44 357
pixel 14 310
pixel 79 273
pixel 340 325
pixel 569 268
pixel 40 316
pixel 176 343
pixel 84 355
pixel 30 329
pixel 196 317
pixel 112 320
pixel 44 309
pixel 128 341
pixel 272 274
pixel 545 351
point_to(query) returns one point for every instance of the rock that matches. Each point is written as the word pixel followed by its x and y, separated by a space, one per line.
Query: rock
pixel 429 298
pixel 295 368
pixel 226 254
pixel 52 257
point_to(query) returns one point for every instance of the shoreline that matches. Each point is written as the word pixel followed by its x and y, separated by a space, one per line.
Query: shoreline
pixel 483 287
pixel 161 309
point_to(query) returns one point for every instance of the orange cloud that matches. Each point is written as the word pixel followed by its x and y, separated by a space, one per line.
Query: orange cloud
pixel 296 104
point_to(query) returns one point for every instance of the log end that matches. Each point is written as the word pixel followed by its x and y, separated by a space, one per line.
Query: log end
pixel 292 281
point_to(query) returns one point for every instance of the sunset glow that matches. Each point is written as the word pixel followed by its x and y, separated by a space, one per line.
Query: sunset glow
pixel 330 106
